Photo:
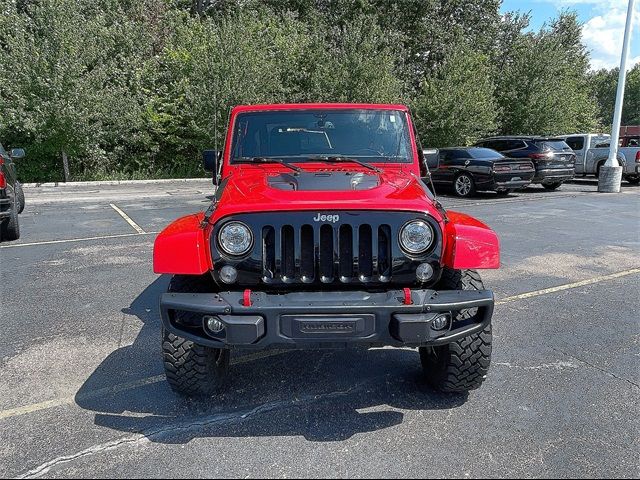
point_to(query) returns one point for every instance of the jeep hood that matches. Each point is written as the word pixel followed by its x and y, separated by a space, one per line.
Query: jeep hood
pixel 260 190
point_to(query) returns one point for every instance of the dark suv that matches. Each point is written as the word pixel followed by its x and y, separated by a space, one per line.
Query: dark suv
pixel 11 194
pixel 553 158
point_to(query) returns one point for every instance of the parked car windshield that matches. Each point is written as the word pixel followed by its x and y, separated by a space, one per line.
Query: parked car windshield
pixel 555 145
pixel 484 153
pixel 368 135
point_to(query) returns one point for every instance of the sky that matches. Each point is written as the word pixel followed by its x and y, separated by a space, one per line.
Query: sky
pixel 603 27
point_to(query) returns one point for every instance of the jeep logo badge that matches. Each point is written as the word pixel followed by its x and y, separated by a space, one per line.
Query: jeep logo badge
pixel 326 218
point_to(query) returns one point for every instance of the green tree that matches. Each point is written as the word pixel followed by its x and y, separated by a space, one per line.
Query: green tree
pixel 604 84
pixel 456 105
pixel 542 87
pixel 66 92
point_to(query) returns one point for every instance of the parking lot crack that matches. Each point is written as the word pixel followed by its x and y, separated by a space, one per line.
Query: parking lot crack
pixel 595 367
pixel 194 424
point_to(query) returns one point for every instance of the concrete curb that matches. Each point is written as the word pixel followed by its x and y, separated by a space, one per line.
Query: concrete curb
pixel 114 182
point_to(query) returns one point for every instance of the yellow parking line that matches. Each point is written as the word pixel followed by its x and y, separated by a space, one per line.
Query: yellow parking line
pixel 126 217
pixel 122 387
pixel 568 286
pixel 35 407
pixel 83 239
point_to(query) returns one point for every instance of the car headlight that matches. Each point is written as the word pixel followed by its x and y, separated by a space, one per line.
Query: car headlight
pixel 235 238
pixel 416 236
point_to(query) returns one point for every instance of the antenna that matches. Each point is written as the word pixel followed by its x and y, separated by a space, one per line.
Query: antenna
pixel 215 118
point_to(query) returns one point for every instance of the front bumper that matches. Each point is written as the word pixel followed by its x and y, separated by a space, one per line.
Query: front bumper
pixel 327 319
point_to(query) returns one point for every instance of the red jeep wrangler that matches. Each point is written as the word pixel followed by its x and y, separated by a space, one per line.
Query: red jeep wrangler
pixel 323 235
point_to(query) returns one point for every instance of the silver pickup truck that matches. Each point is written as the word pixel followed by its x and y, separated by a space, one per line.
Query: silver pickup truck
pixel 592 151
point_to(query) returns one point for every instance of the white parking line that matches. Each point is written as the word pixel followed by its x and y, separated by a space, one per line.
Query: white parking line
pixel 135 226
pixel 36 407
pixel 84 239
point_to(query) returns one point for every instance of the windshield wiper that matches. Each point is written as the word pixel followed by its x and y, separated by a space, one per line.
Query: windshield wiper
pixel 341 159
pixel 270 160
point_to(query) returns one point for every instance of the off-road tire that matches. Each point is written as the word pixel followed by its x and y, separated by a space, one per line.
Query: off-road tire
pixel 462 365
pixel 192 369
pixel 552 186
pixel 10 227
pixel 20 197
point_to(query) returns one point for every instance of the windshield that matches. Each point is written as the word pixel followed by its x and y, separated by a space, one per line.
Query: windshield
pixel 484 153
pixel 368 135
pixel 554 145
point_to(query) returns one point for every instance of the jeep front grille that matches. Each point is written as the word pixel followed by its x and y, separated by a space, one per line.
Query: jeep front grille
pixel 326 253
pixel 359 247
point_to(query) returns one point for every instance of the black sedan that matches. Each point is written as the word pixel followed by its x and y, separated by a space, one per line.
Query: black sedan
pixel 468 169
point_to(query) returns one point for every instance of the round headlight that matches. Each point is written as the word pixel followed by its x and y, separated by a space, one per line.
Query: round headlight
pixel 235 238
pixel 416 236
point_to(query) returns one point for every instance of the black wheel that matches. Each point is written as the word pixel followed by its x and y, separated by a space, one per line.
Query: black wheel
pixel 598 167
pixel 464 186
pixel 552 186
pixel 462 365
pixel 10 227
pixel 192 369
pixel 20 197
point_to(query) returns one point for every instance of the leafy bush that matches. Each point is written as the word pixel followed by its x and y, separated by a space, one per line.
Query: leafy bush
pixel 133 89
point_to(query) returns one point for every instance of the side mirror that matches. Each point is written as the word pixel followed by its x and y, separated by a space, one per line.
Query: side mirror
pixel 16 153
pixel 211 162
pixel 432 158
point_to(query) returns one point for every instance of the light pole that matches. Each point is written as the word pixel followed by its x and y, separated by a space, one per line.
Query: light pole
pixel 611 172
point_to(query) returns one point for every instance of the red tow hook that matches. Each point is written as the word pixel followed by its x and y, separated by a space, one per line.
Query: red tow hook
pixel 246 300
pixel 407 296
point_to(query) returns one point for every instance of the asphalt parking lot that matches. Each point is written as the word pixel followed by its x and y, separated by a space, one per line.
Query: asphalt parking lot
pixel 82 391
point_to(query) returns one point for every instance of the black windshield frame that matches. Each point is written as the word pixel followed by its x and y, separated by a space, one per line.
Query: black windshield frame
pixel 393 145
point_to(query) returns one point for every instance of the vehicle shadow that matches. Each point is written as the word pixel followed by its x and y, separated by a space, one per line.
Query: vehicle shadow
pixel 326 395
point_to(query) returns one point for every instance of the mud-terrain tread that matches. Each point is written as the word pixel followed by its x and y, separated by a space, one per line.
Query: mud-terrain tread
pixel 192 369
pixel 462 365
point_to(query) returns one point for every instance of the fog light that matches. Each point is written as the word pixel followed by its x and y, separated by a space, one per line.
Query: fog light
pixel 441 321
pixel 424 272
pixel 228 274
pixel 213 324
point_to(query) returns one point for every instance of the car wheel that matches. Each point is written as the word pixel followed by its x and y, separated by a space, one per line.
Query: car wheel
pixel 10 227
pixel 192 369
pixel 598 169
pixel 552 186
pixel 464 185
pixel 20 197
pixel 462 365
